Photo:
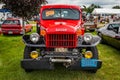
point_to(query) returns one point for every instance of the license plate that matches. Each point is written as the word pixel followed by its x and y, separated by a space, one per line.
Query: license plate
pixel 88 63
pixel 10 32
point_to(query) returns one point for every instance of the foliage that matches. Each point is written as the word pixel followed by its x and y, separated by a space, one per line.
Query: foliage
pixel 90 8
pixel 116 7
pixel 23 8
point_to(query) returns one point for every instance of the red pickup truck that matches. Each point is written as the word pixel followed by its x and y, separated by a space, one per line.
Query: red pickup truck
pixel 14 26
pixel 60 38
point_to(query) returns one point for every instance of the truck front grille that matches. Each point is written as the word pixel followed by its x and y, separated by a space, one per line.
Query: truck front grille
pixel 61 40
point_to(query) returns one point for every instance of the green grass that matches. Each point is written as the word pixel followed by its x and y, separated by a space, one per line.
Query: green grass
pixel 11 52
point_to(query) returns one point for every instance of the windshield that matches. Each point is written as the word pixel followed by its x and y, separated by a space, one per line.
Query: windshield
pixel 115 25
pixel 16 22
pixel 61 14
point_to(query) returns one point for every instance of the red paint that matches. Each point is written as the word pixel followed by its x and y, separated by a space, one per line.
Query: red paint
pixel 16 28
pixel 61 32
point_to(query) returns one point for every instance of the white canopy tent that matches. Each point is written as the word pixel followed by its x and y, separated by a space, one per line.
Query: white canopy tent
pixel 106 11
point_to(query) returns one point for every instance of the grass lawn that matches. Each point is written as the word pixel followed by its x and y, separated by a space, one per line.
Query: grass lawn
pixel 11 52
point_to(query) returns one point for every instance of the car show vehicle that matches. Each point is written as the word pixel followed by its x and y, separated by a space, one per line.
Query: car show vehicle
pixel 0 31
pixel 60 38
pixel 110 34
pixel 90 25
pixel 15 26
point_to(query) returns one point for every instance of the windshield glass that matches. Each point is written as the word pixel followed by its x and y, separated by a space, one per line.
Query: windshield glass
pixel 115 25
pixel 16 22
pixel 61 14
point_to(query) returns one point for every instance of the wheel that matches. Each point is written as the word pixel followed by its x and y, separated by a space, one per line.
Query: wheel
pixel 27 51
pixel 94 51
pixel 92 30
pixel 101 36
pixel 4 34
pixel 28 70
pixel 95 56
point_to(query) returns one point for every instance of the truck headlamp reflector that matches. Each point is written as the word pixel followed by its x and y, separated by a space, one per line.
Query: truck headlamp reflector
pixel 88 37
pixel 88 54
pixel 34 37
pixel 34 54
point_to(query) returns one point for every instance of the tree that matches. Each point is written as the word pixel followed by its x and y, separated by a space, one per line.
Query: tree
pixel 23 8
pixel 91 8
pixel 116 7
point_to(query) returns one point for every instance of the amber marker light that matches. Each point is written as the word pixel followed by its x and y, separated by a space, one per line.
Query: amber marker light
pixel 34 54
pixel 79 32
pixel 88 54
pixel 43 32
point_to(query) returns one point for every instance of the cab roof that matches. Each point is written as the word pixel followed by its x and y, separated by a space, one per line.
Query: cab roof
pixel 61 6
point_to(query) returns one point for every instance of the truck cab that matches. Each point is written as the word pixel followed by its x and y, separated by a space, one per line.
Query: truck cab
pixel 60 38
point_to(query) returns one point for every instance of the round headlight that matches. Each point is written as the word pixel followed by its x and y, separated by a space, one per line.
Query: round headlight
pixel 88 37
pixel 34 37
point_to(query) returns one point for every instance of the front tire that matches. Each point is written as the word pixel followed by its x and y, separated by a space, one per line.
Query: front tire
pixel 95 56
pixel 27 51
pixel 92 30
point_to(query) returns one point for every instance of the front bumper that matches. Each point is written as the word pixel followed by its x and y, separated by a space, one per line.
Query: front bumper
pixel 87 64
pixel 82 64
pixel 14 31
pixel 36 64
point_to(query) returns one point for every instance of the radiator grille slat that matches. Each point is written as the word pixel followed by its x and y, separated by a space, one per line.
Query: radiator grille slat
pixel 61 40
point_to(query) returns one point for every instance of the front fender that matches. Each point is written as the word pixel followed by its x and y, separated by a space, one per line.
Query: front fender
pixel 26 40
pixel 94 42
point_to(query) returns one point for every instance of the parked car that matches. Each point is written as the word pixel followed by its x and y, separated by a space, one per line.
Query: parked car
pixel 91 26
pixel 14 26
pixel 110 34
pixel 60 38
pixel 0 31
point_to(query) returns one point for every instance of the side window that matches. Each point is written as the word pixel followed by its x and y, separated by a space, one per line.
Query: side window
pixel 110 27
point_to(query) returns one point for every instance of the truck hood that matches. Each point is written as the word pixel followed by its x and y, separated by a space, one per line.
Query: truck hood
pixel 61 27
pixel 66 26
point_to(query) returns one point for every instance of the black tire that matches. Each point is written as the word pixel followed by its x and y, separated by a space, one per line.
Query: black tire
pixel 27 51
pixel 4 34
pixel 95 56
pixel 94 51
pixel 92 30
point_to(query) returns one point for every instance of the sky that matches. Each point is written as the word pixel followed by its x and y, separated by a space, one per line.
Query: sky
pixel 102 3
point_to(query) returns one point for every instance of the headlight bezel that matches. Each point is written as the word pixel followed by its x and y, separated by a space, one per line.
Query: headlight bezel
pixel 88 37
pixel 34 37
